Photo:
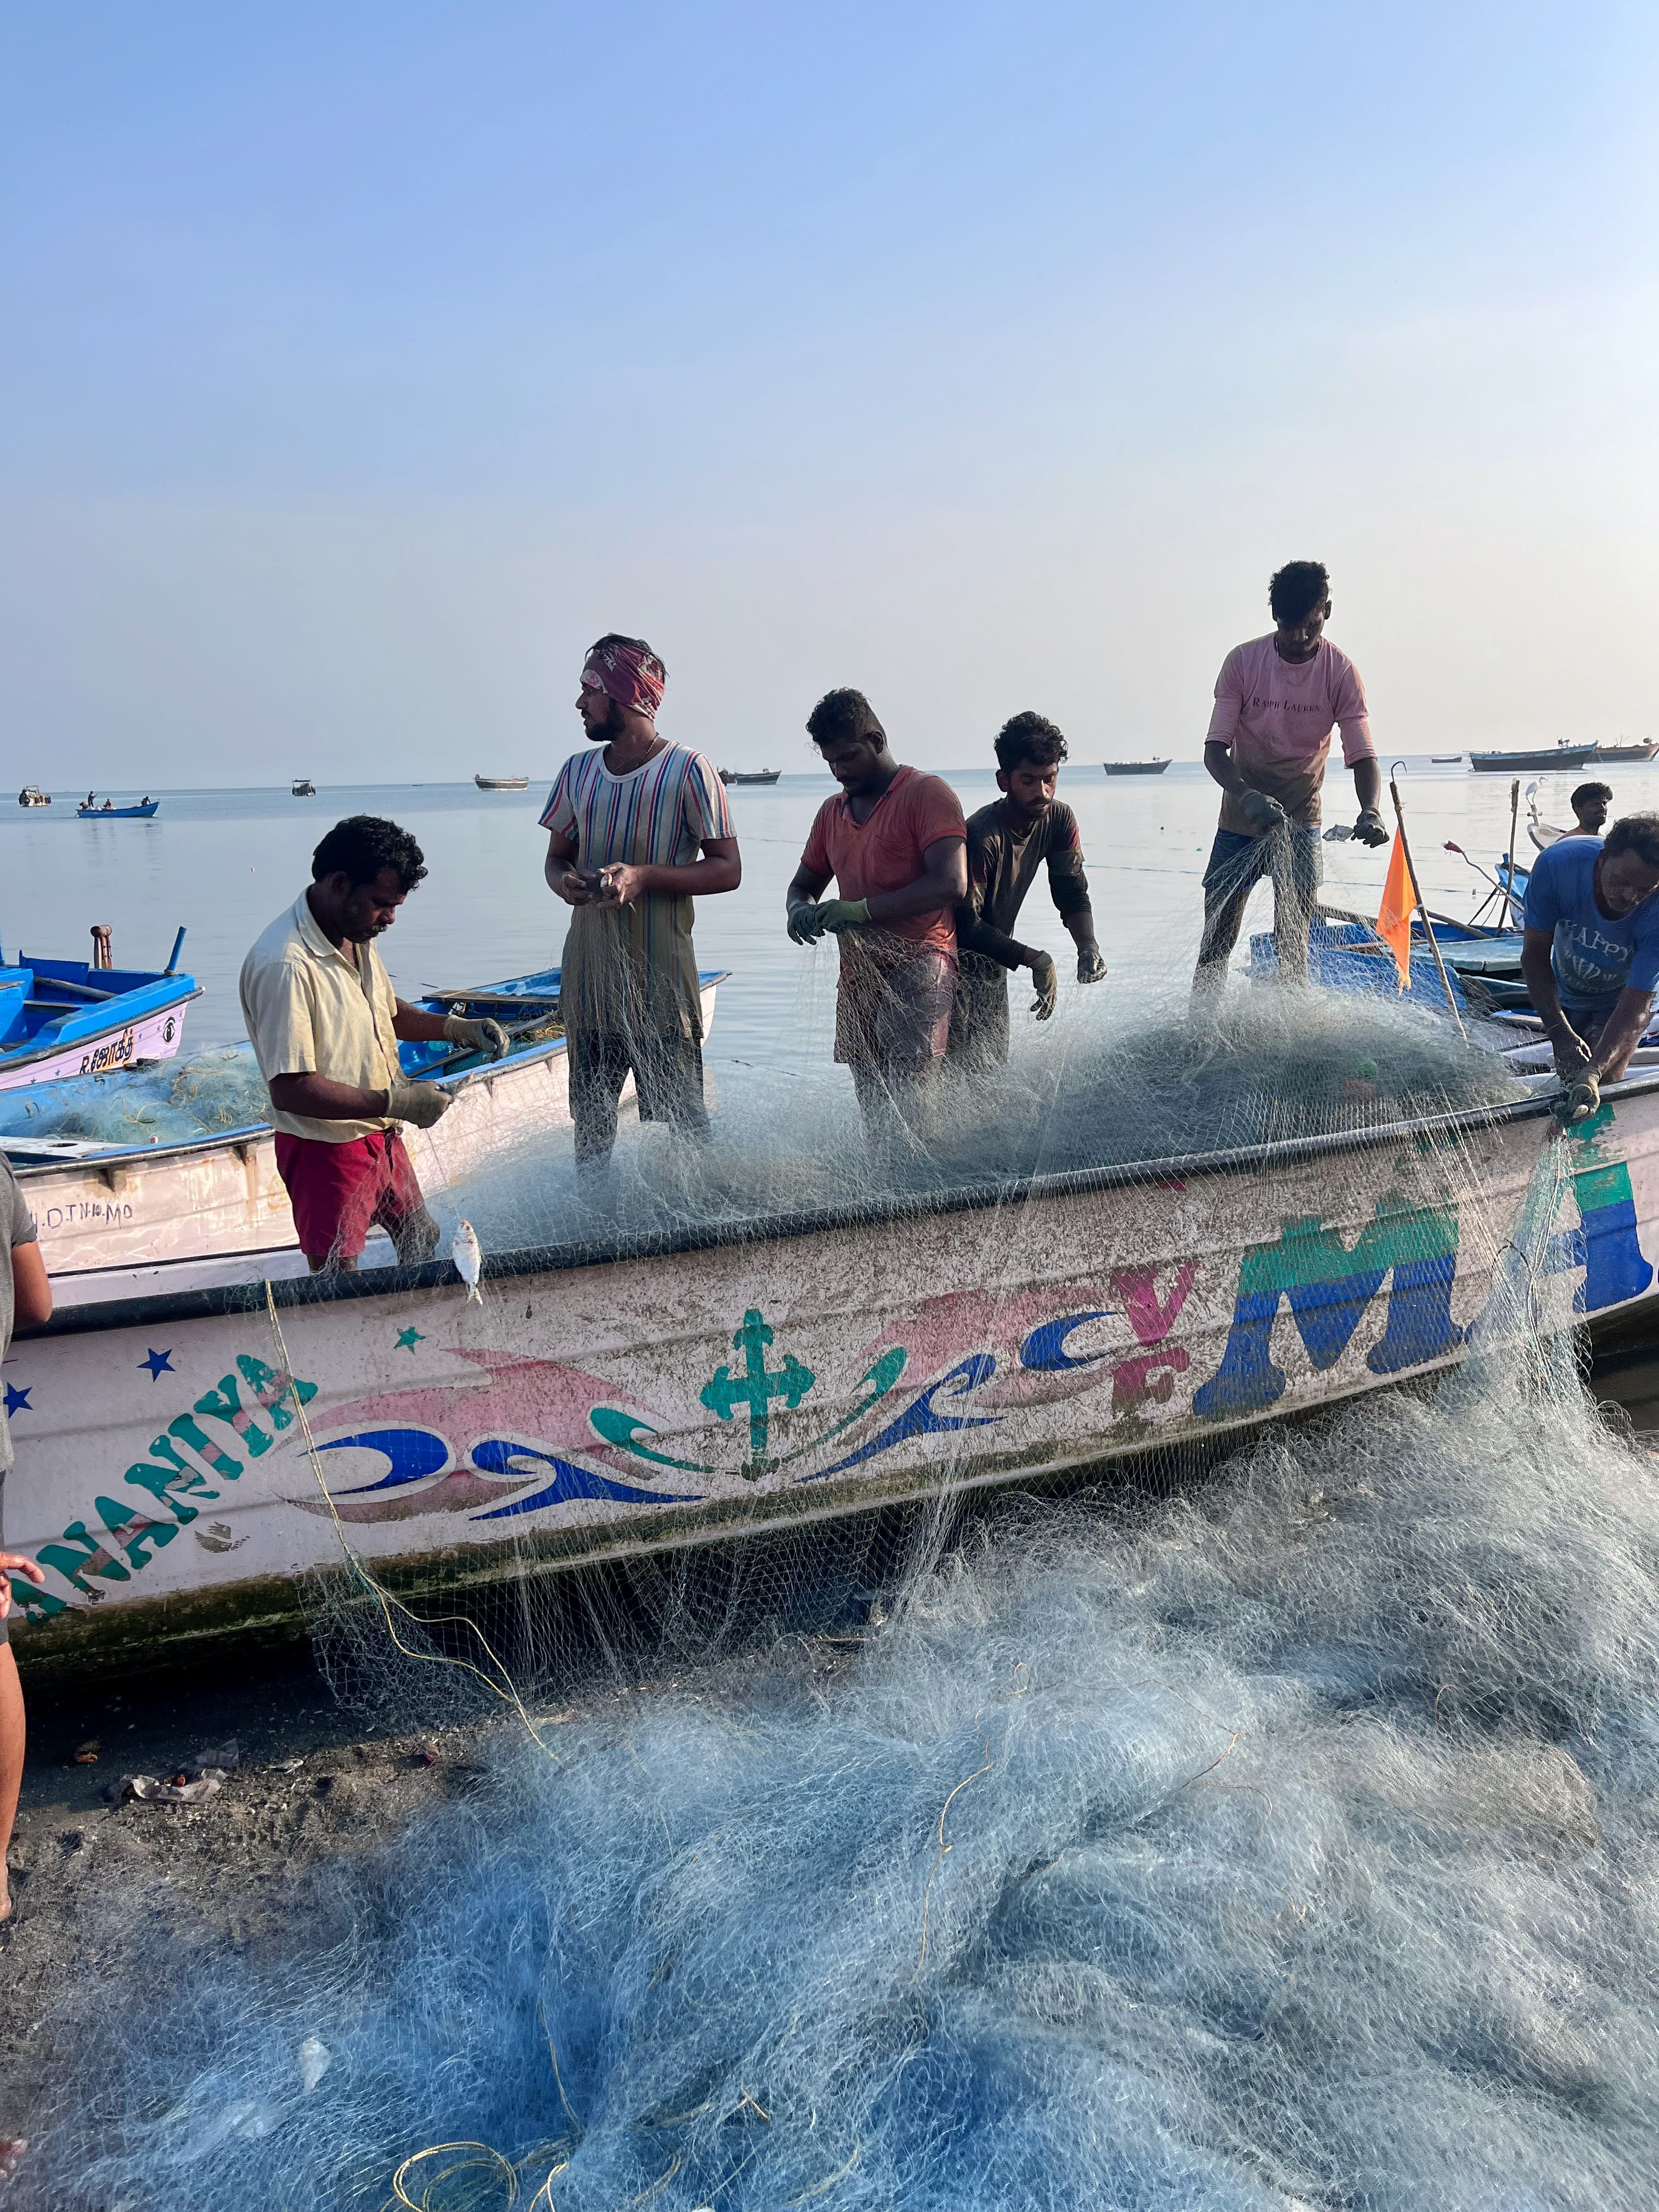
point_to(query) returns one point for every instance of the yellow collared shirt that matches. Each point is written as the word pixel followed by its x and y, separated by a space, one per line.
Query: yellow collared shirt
pixel 310 1010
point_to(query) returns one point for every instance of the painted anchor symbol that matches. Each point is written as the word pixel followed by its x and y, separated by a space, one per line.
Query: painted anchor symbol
pixel 756 1387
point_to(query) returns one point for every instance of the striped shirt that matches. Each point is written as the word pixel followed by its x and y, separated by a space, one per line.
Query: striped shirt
pixel 634 968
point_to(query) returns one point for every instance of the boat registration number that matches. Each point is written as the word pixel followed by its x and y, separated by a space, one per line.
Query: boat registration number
pixel 118 1052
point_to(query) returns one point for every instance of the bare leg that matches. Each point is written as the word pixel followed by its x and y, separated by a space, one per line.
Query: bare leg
pixel 11 1765
pixel 1296 895
pixel 413 1238
pixel 1224 917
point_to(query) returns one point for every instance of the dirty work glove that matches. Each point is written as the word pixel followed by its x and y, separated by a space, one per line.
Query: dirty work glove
pixel 1572 1056
pixel 423 1103
pixel 1370 828
pixel 1580 1095
pixel 805 921
pixel 836 915
pixel 1090 968
pixel 476 1036
pixel 1046 976
pixel 1262 814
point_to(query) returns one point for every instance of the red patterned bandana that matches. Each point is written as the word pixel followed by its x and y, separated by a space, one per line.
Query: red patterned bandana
pixel 628 674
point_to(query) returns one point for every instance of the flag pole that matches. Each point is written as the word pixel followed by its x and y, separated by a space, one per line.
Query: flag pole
pixel 1510 900
pixel 1428 927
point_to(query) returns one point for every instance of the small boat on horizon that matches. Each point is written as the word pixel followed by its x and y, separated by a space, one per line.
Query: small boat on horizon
pixel 1628 749
pixel 110 813
pixel 750 774
pixel 32 795
pixel 503 782
pixel 1135 767
pixel 1445 760
pixel 302 787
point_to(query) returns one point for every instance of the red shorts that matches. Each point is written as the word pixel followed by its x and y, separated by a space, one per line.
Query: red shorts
pixel 340 1191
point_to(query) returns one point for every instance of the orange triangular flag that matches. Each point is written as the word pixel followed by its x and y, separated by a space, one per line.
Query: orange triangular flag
pixel 1393 919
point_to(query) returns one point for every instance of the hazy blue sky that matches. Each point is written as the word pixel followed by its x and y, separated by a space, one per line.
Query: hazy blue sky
pixel 362 363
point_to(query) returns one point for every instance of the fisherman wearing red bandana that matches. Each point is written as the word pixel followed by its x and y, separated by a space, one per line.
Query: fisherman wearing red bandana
pixel 636 827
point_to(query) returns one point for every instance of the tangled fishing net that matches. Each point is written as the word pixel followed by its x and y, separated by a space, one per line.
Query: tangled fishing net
pixel 1291 1842
pixel 1112 1081
pixel 166 1101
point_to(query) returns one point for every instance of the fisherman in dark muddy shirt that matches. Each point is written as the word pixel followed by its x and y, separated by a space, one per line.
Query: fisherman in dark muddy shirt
pixel 1007 841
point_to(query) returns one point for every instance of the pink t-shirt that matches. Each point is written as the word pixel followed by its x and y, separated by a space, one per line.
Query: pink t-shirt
pixel 1276 720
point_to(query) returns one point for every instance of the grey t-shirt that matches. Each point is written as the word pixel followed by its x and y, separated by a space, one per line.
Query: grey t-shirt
pixel 16 1227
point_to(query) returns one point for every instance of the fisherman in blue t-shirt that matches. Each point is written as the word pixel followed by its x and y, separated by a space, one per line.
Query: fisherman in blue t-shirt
pixel 1590 953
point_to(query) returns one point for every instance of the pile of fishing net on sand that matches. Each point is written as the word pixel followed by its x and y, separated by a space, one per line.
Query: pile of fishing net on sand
pixel 1292 1842
pixel 1113 1080
pixel 161 1102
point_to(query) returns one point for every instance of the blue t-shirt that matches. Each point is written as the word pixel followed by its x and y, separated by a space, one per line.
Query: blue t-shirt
pixel 1592 956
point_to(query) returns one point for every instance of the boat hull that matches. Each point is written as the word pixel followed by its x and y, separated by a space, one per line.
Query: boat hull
pixel 1518 763
pixel 153 1036
pixel 596 1406
pixel 1134 767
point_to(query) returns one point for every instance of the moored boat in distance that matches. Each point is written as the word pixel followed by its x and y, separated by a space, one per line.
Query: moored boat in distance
pixel 1135 767
pixel 750 774
pixel 302 787
pixel 32 795
pixel 503 782
pixel 1631 749
pixel 1559 755
pixel 1445 760
pixel 63 1018
pixel 109 812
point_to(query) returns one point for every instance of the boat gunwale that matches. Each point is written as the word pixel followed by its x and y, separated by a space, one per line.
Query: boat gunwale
pixel 240 1298
pixel 60 1044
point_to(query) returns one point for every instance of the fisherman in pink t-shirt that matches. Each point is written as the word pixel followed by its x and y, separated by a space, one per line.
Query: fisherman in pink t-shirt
pixel 1277 701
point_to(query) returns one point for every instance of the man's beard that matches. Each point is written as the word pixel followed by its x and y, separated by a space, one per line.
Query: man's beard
pixel 612 726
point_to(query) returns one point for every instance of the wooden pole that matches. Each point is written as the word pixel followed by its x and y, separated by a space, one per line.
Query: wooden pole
pixel 1514 824
pixel 1428 927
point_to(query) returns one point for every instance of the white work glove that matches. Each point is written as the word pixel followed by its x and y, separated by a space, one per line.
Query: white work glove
pixel 476 1036
pixel 423 1103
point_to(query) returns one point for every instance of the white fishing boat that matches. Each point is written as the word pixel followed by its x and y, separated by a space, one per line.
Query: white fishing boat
pixel 601 1402
pixel 119 1219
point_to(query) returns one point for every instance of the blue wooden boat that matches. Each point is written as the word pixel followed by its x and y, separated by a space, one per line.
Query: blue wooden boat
pixel 118 813
pixel 60 1017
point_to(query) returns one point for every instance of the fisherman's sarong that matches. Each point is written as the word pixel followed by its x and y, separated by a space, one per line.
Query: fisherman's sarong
pixel 340 1191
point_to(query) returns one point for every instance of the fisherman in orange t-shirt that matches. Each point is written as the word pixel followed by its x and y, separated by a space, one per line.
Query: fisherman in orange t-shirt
pixel 897 846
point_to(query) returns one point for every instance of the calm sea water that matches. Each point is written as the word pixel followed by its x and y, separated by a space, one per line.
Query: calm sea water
pixel 225 862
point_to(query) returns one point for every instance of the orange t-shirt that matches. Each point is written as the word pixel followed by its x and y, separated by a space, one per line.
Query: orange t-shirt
pixel 885 852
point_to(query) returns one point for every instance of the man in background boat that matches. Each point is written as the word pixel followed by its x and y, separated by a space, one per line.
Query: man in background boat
pixel 1589 951
pixel 25 1299
pixel 1591 802
pixel 326 1024
pixel 637 828
pixel 1007 841
pixel 1277 701
pixel 896 843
